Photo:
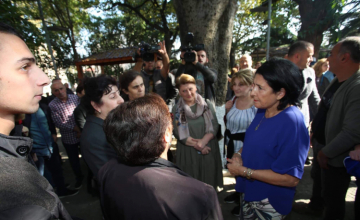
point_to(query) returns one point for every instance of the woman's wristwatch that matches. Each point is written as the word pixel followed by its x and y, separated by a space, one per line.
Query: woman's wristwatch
pixel 238 153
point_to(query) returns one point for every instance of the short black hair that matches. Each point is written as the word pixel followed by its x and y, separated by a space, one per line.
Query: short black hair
pixel 351 45
pixel 125 80
pixel 136 129
pixel 95 88
pixel 80 87
pixel 299 46
pixel 281 73
pixel 7 29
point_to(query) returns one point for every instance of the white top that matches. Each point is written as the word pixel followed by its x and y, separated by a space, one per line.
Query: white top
pixel 238 121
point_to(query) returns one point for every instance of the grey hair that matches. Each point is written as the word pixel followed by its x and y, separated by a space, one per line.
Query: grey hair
pixel 351 45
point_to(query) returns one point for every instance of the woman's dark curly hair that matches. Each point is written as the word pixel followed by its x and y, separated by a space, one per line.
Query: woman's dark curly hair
pixel 95 88
pixel 281 73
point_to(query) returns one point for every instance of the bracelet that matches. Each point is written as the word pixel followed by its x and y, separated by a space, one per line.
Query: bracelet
pixel 249 172
pixel 244 173
pixel 238 153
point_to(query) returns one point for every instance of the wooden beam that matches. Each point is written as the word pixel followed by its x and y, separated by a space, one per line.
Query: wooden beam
pixel 106 61
pixel 80 71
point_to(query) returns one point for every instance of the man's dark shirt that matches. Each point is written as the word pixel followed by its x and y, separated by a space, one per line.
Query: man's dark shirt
pixel 319 122
pixel 158 190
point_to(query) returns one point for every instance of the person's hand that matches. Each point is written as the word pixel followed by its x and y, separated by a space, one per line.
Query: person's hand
pixel 25 131
pixel 235 168
pixel 237 158
pixel 228 105
pixel 355 155
pixel 200 144
pixel 229 79
pixel 34 157
pixel 322 159
pixel 311 135
pixel 182 57
pixel 78 131
pixel 206 150
pixel 191 141
pixel 54 136
pixel 162 50
pixel 196 57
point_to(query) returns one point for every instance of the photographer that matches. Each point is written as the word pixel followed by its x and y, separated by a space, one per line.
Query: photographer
pixel 154 80
pixel 205 77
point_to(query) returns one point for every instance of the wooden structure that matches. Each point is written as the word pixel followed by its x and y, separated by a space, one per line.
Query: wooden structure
pixel 111 57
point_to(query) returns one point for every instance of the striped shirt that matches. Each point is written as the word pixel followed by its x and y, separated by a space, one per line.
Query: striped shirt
pixel 62 114
pixel 238 121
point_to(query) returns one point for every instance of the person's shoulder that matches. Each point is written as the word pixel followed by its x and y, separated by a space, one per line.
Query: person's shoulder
pixel 292 114
pixel 53 102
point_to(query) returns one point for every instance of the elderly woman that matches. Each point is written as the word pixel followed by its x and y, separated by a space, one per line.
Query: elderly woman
pixel 132 85
pixel 240 111
pixel 195 128
pixel 101 96
pixel 321 67
pixel 271 162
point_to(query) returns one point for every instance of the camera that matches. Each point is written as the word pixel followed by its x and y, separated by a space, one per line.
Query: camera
pixel 189 56
pixel 147 51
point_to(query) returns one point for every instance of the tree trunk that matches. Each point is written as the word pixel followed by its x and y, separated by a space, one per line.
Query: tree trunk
pixel 316 17
pixel 232 57
pixel 212 22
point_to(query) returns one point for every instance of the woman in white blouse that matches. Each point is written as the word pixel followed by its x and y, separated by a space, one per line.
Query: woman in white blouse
pixel 240 111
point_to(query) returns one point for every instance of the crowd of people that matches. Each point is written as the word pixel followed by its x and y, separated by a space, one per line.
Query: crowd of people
pixel 124 129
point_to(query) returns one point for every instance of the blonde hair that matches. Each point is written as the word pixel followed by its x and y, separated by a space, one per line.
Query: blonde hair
pixel 245 76
pixel 317 67
pixel 184 79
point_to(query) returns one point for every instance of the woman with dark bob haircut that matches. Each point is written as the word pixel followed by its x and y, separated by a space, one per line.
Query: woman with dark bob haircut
pixel 138 142
pixel 101 96
pixel 132 85
pixel 271 162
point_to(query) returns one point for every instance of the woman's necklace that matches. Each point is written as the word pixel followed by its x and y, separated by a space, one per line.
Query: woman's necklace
pixel 259 123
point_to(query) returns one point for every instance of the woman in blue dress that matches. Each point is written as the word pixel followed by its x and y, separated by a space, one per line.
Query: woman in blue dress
pixel 271 162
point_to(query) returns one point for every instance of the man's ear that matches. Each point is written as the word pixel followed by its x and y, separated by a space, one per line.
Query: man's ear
pixel 345 57
pixel 95 106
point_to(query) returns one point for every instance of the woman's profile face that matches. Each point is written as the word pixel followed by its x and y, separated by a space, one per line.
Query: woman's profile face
pixel 188 92
pixel 136 88
pixel 263 95
pixel 325 67
pixel 110 101
pixel 240 89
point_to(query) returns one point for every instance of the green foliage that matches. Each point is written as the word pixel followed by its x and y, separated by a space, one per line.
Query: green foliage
pixel 15 16
pixel 348 23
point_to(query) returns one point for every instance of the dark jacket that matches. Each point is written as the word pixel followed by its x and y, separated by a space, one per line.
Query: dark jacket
pixel 158 190
pixel 342 128
pixel 24 193
pixel 80 114
pixel 210 77
pixel 94 146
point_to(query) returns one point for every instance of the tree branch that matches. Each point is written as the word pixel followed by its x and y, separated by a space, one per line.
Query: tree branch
pixel 137 12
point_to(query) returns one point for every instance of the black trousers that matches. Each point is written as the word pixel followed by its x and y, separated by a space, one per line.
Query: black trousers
pixel 72 151
pixel 335 183
pixel 316 201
